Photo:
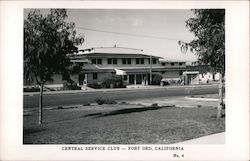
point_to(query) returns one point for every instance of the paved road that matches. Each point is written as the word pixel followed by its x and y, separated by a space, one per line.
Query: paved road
pixel 89 97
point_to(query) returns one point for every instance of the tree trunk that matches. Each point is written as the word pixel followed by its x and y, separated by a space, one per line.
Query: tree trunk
pixel 220 101
pixel 40 112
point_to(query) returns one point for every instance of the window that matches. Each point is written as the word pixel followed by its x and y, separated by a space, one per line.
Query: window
pixel 162 72
pixel 96 61
pixel 126 60
pixel 180 63
pixel 93 61
pixel 142 60
pixel 109 61
pixel 129 60
pixel 125 77
pixel 137 61
pixel 163 64
pixel 99 61
pixel 95 76
pixel 172 64
pixel 154 60
pixel 112 61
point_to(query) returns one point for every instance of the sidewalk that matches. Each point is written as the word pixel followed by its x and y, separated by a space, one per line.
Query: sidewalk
pixel 218 138
pixel 132 87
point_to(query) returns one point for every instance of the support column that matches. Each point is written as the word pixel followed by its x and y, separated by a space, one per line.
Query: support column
pixel 86 79
pixel 128 79
pixel 135 80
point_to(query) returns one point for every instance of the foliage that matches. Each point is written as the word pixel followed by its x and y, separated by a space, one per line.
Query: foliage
pixel 94 85
pixel 31 89
pixel 107 82
pixel 115 80
pixel 101 101
pixel 70 85
pixel 172 82
pixel 47 42
pixel 209 44
pixel 156 79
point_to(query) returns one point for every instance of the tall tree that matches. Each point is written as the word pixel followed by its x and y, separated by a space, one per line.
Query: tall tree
pixel 48 42
pixel 208 27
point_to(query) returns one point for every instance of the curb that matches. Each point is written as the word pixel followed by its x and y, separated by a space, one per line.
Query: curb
pixel 202 99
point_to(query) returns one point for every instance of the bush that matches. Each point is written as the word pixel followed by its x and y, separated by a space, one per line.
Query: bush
pixel 31 89
pixel 70 85
pixel 107 82
pixel 115 80
pixel 94 85
pixel 101 101
pixel 156 79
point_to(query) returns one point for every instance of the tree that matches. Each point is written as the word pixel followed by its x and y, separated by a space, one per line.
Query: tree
pixel 48 42
pixel 209 44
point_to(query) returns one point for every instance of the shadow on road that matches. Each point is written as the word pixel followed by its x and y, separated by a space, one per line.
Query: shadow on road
pixel 125 111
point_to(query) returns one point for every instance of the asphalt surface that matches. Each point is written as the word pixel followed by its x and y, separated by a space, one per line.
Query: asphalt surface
pixel 32 101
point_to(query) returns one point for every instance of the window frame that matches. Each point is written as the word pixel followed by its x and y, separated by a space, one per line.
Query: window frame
pixel 142 61
pixel 154 60
pixel 109 60
pixel 124 60
pixel 114 60
pixel 99 61
pixel 95 76
pixel 129 60
pixel 137 60
pixel 93 61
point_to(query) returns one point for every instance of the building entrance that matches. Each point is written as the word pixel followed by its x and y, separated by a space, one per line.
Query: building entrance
pixel 131 78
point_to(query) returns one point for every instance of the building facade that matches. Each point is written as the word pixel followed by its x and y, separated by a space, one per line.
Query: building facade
pixel 134 67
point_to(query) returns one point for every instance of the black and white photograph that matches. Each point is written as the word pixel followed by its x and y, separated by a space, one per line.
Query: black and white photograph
pixel 128 76
pixel 124 80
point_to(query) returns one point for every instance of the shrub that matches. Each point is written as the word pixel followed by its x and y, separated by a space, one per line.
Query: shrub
pixel 31 89
pixel 101 101
pixel 94 85
pixel 156 79
pixel 70 85
pixel 115 80
pixel 107 82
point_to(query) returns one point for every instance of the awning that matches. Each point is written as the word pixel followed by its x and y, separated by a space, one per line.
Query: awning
pixel 191 72
pixel 120 72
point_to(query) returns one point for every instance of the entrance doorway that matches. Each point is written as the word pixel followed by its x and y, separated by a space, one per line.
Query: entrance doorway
pixel 131 78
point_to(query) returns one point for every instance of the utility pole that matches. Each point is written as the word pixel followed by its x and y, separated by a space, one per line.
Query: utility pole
pixel 150 79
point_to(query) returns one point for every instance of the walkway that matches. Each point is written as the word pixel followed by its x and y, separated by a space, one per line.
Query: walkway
pixel 218 138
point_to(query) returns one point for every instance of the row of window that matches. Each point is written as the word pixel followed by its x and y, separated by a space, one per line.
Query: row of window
pixel 172 64
pixel 124 61
pixel 95 76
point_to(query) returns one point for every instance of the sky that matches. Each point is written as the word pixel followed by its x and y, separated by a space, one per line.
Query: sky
pixel 157 32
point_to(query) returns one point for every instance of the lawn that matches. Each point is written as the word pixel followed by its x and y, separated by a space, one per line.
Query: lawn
pixel 121 124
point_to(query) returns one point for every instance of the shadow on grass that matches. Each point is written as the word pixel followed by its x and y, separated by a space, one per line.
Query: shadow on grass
pixel 27 131
pixel 125 111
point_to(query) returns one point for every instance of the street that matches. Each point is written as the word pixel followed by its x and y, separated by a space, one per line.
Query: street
pixel 89 97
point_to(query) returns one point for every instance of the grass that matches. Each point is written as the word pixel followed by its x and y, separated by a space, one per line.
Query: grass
pixel 133 125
